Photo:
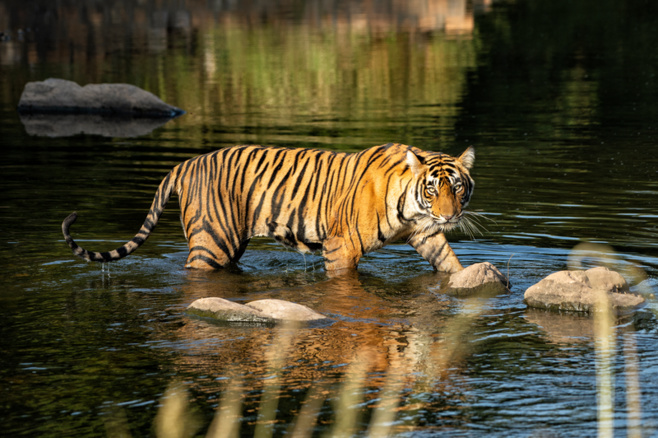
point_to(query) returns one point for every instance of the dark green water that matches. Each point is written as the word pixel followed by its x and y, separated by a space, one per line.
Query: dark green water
pixel 558 98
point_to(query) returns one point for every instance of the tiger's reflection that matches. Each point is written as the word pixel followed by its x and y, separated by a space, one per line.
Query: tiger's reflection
pixel 389 330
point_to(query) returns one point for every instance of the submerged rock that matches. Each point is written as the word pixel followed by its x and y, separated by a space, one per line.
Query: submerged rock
pixel 57 96
pixel 260 311
pixel 580 291
pixel 480 278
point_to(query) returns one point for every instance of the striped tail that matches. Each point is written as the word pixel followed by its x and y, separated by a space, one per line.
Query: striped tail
pixel 157 207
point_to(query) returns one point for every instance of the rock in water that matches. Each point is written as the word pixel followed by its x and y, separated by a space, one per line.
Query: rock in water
pixel 225 310
pixel 578 291
pixel 54 96
pixel 260 311
pixel 480 278
pixel 285 310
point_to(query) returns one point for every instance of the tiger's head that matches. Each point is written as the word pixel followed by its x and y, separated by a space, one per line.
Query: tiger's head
pixel 443 188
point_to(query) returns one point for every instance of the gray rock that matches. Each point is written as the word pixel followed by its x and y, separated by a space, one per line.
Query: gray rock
pixel 62 96
pixel 480 278
pixel 260 311
pixel 579 291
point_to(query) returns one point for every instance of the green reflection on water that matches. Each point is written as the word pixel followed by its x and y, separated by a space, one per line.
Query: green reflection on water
pixel 327 82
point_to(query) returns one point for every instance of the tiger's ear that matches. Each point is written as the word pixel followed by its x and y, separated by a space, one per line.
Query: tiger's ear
pixel 467 158
pixel 414 163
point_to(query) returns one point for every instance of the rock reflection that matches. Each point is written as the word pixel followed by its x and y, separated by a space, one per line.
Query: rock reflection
pixel 562 328
pixel 67 125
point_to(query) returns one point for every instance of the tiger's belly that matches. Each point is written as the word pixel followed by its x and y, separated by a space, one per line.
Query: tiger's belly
pixel 300 241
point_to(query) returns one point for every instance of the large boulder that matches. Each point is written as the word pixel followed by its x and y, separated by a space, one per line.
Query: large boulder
pixel 56 96
pixel 478 278
pixel 580 291
pixel 260 311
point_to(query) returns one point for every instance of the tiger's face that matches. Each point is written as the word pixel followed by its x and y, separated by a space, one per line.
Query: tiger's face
pixel 443 187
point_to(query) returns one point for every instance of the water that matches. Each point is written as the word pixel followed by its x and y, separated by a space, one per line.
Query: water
pixel 558 98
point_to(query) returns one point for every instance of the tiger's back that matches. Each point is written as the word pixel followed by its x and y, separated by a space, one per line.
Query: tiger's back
pixel 344 204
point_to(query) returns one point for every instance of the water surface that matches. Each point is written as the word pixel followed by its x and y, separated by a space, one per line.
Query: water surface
pixel 558 99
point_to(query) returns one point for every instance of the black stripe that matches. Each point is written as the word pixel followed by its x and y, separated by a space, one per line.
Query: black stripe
pixel 105 256
pixel 221 243
pixel 380 235
pixel 242 171
pixel 225 220
pixel 210 262
pixel 277 168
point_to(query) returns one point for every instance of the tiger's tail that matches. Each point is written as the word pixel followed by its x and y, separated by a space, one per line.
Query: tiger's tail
pixel 157 207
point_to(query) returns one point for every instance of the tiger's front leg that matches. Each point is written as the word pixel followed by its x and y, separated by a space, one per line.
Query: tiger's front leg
pixel 436 250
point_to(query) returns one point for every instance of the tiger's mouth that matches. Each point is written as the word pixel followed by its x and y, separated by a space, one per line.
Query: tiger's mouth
pixel 430 223
pixel 447 223
pixel 441 224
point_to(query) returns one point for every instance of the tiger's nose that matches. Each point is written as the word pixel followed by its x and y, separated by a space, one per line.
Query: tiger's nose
pixel 448 217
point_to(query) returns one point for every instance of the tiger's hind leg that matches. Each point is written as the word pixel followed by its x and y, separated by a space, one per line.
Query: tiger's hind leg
pixel 208 250
pixel 340 256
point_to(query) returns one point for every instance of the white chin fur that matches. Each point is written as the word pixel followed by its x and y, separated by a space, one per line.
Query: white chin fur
pixel 431 225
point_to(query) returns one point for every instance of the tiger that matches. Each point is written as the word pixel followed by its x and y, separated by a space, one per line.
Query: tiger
pixel 342 204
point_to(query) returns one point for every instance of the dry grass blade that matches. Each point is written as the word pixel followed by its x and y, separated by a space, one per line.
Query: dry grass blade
pixel 604 331
pixel 633 390
pixel 305 422
pixel 350 396
pixel 632 366
pixel 226 423
pixel 434 359
pixel 604 254
pixel 116 424
pixel 453 347
pixel 174 419
pixel 383 418
pixel 276 357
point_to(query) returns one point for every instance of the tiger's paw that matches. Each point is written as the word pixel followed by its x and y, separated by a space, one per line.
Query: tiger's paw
pixel 479 278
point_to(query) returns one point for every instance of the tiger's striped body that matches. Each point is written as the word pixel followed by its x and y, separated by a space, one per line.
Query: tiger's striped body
pixel 343 204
